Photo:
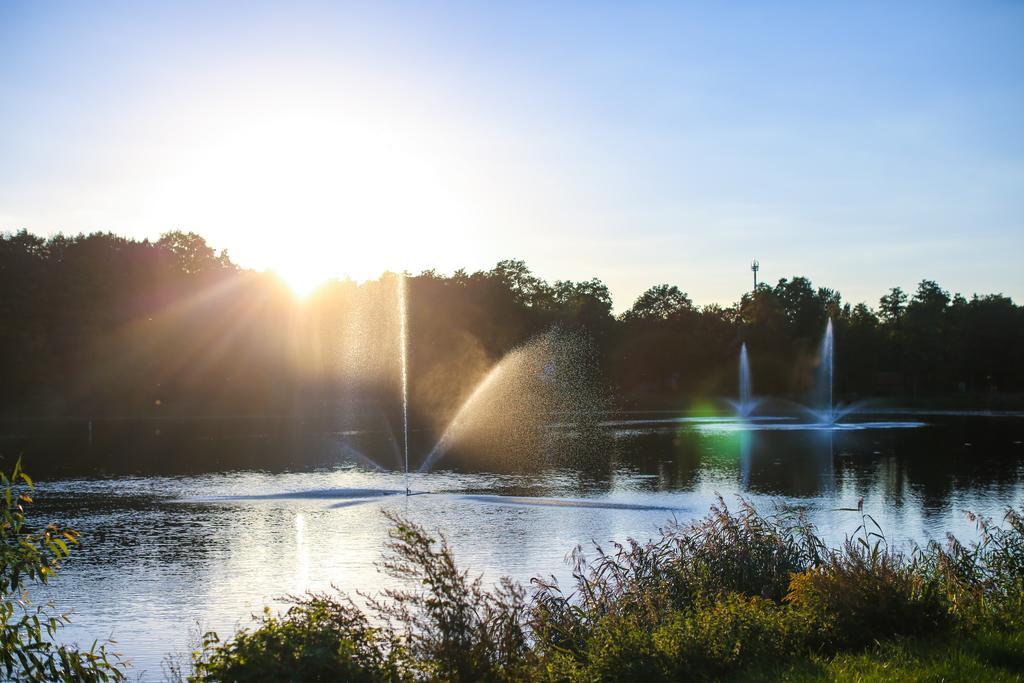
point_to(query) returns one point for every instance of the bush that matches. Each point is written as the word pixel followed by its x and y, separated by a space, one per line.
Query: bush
pixel 704 643
pixel 454 629
pixel 27 650
pixel 731 633
pixel 445 626
pixel 618 648
pixel 866 593
pixel 744 552
pixel 319 639
pixel 726 552
pixel 984 581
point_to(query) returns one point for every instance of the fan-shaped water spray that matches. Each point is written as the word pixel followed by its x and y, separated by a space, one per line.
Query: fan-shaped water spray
pixel 529 406
pixel 467 408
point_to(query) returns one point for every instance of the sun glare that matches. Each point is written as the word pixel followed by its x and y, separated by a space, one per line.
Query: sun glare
pixel 301 283
pixel 316 191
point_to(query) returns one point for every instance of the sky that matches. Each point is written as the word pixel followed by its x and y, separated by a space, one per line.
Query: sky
pixel 864 145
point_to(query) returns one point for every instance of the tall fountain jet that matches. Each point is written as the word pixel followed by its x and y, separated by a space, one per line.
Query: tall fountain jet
pixel 746 389
pixel 826 369
pixel 403 333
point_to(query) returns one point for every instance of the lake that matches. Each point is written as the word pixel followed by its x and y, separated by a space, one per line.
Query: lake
pixel 168 555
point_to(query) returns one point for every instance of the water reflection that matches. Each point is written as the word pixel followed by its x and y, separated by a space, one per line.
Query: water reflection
pixel 301 554
pixel 167 552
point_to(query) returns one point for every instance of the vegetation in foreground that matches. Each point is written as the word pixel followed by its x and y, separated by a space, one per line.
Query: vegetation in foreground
pixel 30 556
pixel 736 595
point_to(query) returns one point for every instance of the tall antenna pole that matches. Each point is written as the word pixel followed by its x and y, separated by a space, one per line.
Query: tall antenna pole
pixel 755 266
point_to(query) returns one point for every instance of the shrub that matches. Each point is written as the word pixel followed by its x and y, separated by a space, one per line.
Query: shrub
pixel 707 642
pixel 444 626
pixel 726 552
pixel 1004 561
pixel 983 581
pixel 865 593
pixel 634 583
pixel 454 629
pixel 731 633
pixel 618 648
pixel 320 638
pixel 744 552
pixel 27 650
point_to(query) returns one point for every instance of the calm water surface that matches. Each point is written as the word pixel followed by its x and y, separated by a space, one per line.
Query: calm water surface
pixel 166 557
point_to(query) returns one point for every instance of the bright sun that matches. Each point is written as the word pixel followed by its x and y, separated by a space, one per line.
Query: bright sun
pixel 316 192
pixel 302 284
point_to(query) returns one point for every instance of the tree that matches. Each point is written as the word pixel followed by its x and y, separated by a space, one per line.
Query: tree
pixel 801 307
pixel 192 252
pixel 661 302
pixel 101 325
pixel 524 285
pixel 859 353
pixel 587 303
pixel 832 303
pixel 927 342
pixel 930 294
pixel 892 305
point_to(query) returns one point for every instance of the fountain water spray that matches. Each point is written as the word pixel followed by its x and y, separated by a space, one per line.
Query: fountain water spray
pixel 532 407
pixel 444 443
pixel 403 334
pixel 826 369
pixel 746 388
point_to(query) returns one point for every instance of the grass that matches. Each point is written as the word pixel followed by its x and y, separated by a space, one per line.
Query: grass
pixel 986 657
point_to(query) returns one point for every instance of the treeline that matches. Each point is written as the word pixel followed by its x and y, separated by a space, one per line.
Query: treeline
pixel 101 325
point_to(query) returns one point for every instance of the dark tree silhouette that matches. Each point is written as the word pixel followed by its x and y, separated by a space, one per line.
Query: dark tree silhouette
pixel 100 326
pixel 661 302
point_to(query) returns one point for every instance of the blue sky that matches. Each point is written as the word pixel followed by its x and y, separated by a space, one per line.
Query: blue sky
pixel 864 145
